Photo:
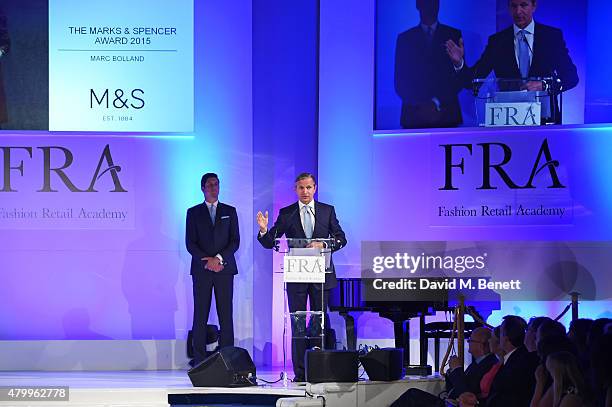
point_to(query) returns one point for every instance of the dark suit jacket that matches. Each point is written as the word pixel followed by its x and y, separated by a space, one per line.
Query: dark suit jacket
pixel 459 381
pixel 550 56
pixel 423 71
pixel 514 383
pixel 205 240
pixel 289 224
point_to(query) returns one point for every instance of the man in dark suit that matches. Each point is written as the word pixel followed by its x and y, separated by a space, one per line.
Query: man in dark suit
pixel 212 238
pixel 305 219
pixel 526 50
pixel 514 383
pixel 425 79
pixel 459 381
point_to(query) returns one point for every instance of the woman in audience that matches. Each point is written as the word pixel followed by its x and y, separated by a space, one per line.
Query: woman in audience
pixel 532 329
pixel 543 393
pixel 578 333
pixel 569 386
pixel 550 328
pixel 554 344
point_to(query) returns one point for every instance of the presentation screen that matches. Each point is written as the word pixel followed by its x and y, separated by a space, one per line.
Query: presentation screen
pixel 417 85
pixel 98 66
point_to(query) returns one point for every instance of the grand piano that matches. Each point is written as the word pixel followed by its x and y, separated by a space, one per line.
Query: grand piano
pixel 349 296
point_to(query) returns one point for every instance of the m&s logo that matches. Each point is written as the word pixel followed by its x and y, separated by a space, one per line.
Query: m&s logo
pixel 121 99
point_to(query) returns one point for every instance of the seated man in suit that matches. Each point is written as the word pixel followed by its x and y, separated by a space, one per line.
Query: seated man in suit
pixel 515 382
pixel 525 50
pixel 424 77
pixel 305 219
pixel 459 381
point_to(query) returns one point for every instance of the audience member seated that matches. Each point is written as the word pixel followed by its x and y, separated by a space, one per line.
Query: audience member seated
pixel 548 329
pixel 459 381
pixel 514 383
pixel 597 330
pixel 569 387
pixel 543 396
pixel 601 367
pixel 532 329
pixel 553 344
pixel 487 379
pixel 534 365
pixel 578 333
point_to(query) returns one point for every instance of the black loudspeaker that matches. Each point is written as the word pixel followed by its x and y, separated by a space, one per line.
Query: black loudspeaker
pixel 385 364
pixel 228 367
pixel 331 366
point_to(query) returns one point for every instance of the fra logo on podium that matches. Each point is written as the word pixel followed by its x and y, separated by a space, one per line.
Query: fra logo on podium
pixel 513 114
pixel 304 269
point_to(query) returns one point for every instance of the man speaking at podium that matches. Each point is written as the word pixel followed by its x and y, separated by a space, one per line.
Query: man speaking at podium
pixel 525 50
pixel 305 219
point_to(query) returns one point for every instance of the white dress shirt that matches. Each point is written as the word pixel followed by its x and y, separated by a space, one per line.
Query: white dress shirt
pixel 507 355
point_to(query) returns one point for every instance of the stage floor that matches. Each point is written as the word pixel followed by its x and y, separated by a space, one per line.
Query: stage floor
pixel 151 388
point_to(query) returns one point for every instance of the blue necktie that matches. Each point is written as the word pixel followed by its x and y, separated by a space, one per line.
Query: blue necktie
pixel 523 51
pixel 429 34
pixel 307 223
pixel 212 209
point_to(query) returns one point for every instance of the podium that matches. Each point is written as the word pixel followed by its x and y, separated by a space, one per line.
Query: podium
pixel 506 103
pixel 303 263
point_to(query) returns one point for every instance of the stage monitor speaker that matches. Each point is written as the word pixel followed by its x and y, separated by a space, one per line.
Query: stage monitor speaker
pixel 228 367
pixel 323 366
pixel 385 364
